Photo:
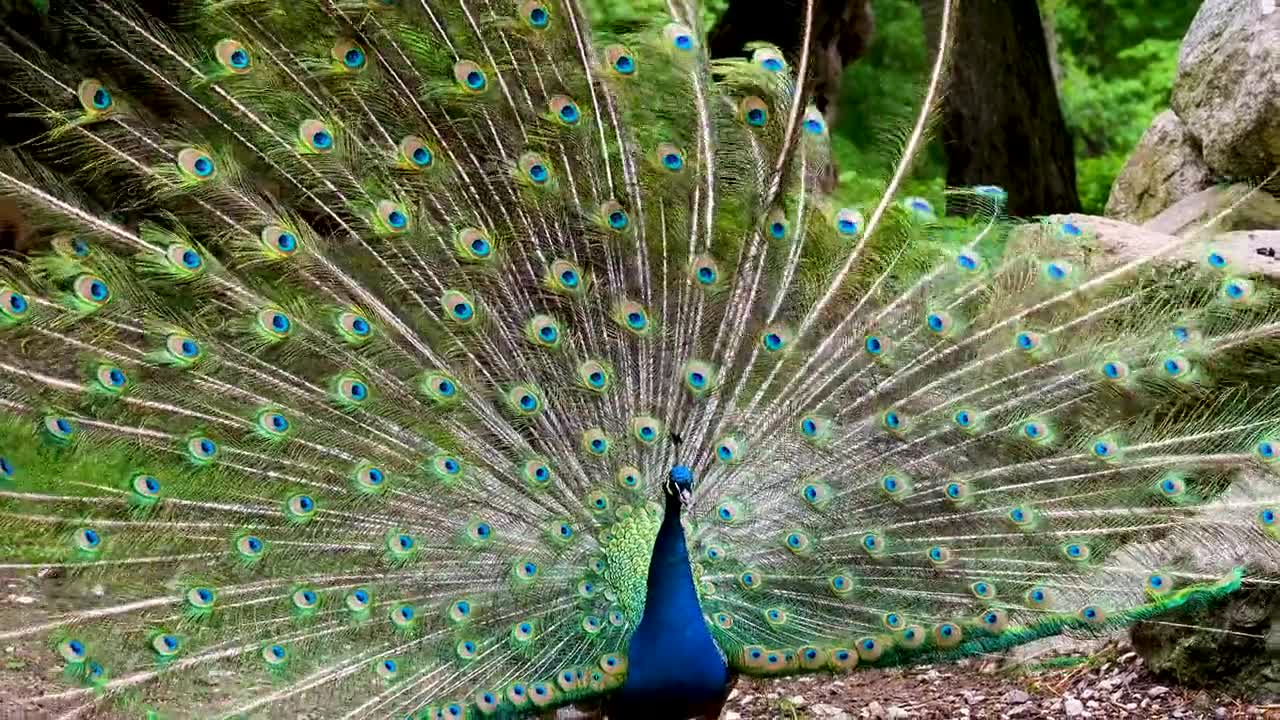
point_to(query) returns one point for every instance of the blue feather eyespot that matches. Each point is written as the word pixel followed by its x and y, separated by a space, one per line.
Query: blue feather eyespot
pixel 776 225
pixel 459 611
pixel 775 616
pixel 13 306
pixel 201 450
pixel 983 590
pixel 994 620
pixel 72 650
pixel 628 477
pixel 111 379
pixel 250 547
pixel 939 555
pixel 841 583
pixel 893 621
pixel 843 659
pixel 598 502
pixel 646 428
pixel 145 488
pixel 1092 614
pixel 919 209
pixel 869 649
pixel 441 388
pixel 967 419
pixel 620 60
pixel 358 600
pixel 1057 270
pixel 88 540
pixel 614 216
pixel 305 599
pixel 633 317
pixel 1171 485
pixel 1238 290
pixel 728 512
pixel 369 478
pixel 947 635
pixel 415 154
pixel 458 307
pixel 7 468
pixel 893 421
pixel 300 507
pixel 1036 431
pixel 387 669
pixel 523 631
pixel 1070 229
pixel 753 111
pixel 1022 517
pixel 616 618
pixel 814 123
pixel 679 37
pixel 182 351
pixel 815 428
pixel 536 15
pixel 315 137
pixel 848 222
pixel 536 472
pixel 272 424
pixel 816 494
pixel 1114 370
pixel 233 56
pixel 713 553
pixel 524 400
pixel 486 702
pixel 586 589
pixel 671 157
pixel 402 615
pixel 750 579
pixel 1269 519
pixel 1105 449
pixel 391 218
pixel 479 533
pixel 544 331
pixel 277 242
pixel 59 428
pixel 1184 334
pixel 1216 260
pixel 873 544
pixel 350 390
pixel 535 168
pixel 566 277
pixel 201 598
pixel 1176 367
pixel 595 442
pixel 769 59
pixel 541 694
pixel 968 261
pixel 995 193
pixel 699 377
pixel 1158 584
pixel 166 645
pixel 400 546
pixel 1075 552
pixel 875 345
pixel 1267 450
pixel 775 338
pixel 445 468
pixel 705 271
pixel 896 485
pixel 94 674
pixel 91 292
pixel 272 324
pixel 1029 342
pixel 939 322
pixel 797 542
pixel 564 110
pixel 465 649
pixel 957 492
pixel 94 97
pixel 349 55
pixel 196 164
pixel 911 637
pixel 275 654
pixel 730 450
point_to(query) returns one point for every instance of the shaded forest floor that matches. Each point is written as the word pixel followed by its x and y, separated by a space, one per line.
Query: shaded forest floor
pixel 1111 682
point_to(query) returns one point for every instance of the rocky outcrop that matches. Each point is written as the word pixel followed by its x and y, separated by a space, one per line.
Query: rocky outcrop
pixel 1225 116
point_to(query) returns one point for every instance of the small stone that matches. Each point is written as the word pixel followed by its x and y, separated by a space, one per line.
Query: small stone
pixel 1073 707
pixel 746 699
pixel 771 696
pixel 9 649
pixel 874 710
pixel 1157 691
pixel 1093 705
pixel 23 599
pixel 1016 711
pixel 823 710
pixel 893 712
pixel 1219 713
pixel 731 715
pixel 732 695
pixel 797 700
pixel 1015 697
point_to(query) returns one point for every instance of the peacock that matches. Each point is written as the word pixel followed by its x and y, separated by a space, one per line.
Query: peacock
pixel 436 359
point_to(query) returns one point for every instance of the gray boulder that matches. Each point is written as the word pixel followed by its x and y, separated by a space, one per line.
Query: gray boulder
pixel 1227 92
pixel 1164 168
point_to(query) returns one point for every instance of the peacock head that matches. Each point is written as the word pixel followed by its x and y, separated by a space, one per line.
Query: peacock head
pixel 679 484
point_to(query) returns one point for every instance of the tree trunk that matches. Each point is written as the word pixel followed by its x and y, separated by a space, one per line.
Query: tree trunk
pixel 1001 121
pixel 842 31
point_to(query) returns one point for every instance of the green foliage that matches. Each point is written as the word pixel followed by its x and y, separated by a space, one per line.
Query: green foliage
pixel 618 15
pixel 1118 60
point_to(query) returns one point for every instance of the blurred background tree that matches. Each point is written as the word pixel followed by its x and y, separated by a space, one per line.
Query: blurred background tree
pixel 1112 62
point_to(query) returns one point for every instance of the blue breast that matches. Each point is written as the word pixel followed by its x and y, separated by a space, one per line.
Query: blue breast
pixel 674 668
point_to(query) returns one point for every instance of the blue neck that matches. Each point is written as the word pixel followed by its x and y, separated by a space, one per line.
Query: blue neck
pixel 673 664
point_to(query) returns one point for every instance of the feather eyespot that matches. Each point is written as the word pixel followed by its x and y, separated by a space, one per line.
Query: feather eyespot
pixel 91 292
pixel 14 306
pixel 349 55
pixel 202 450
pixel 94 97
pixel 354 327
pixel 201 598
pixel 769 59
pixel 595 442
pixel 470 76
pixel 615 216
pixel 670 157
pixel 814 123
pixel 679 37
pixel 196 164
pixel 536 15
pixel 620 60
pixel 458 307
pixel 565 110
pixel 111 379
pixel 250 547
pixel 233 56
pixel 628 477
